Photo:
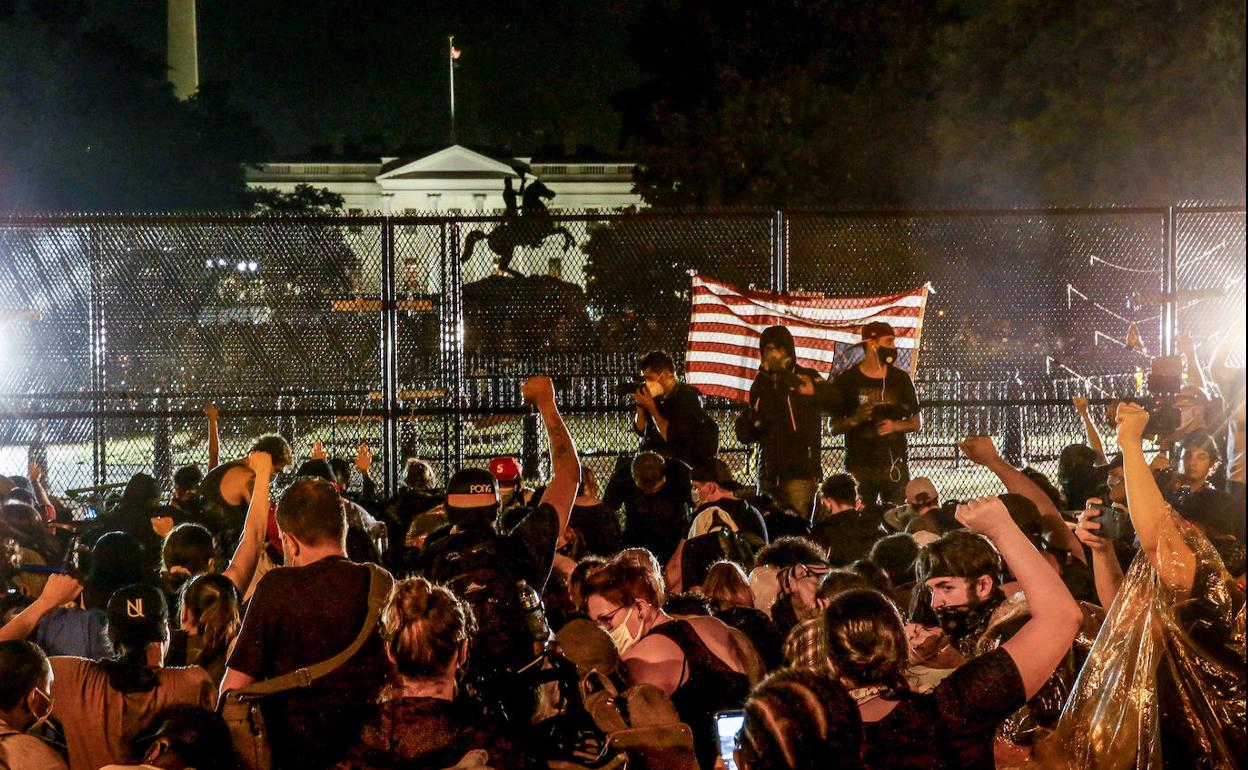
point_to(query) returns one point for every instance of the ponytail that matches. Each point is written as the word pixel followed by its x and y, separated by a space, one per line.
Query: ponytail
pixel 129 672
pixel 213 604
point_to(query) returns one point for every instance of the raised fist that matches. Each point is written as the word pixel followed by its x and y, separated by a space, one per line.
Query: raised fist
pixel 261 463
pixel 1132 419
pixel 538 390
pixel 984 515
pixel 979 449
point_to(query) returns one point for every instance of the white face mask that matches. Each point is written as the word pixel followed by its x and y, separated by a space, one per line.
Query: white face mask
pixel 654 388
pixel 621 636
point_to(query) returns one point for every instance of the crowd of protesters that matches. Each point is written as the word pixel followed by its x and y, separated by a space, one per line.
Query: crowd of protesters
pixel 270 613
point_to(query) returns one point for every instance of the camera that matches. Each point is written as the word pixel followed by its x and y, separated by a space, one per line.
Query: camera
pixel 1165 378
pixel 630 387
pixel 1115 522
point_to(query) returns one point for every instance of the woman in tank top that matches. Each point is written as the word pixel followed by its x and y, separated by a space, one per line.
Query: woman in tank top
pixel 704 665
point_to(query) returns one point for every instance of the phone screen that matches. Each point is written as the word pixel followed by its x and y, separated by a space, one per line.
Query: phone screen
pixel 727 725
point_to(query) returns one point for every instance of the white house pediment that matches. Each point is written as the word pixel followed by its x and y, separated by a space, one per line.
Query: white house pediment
pixel 454 162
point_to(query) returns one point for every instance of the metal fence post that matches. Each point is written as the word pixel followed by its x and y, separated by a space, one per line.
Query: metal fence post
pixel 451 335
pixel 162 443
pixel 389 360
pixel 95 315
pixel 1012 446
pixel 779 253
pixel 530 447
pixel 1169 280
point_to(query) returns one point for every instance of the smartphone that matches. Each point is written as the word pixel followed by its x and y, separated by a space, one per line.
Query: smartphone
pixel 727 725
pixel 1115 522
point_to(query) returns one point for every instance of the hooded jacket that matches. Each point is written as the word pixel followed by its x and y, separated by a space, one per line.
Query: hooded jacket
pixel 783 421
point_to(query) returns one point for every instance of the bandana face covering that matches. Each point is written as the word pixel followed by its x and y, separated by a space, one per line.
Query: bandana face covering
pixel 964 620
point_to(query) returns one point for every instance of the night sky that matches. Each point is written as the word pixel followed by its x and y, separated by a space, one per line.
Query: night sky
pixel 532 75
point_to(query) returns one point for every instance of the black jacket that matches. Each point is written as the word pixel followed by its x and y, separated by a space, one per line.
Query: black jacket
pixel 783 421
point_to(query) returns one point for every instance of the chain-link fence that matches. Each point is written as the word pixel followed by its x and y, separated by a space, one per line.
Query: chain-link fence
pixel 413 334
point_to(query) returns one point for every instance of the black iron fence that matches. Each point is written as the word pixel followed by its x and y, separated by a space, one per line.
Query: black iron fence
pixel 413 333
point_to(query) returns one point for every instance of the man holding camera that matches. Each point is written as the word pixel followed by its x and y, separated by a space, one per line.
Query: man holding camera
pixel 670 418
pixel 783 417
pixel 875 407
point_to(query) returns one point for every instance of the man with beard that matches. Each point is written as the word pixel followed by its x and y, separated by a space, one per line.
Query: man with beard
pixel 783 418
pixel 962 572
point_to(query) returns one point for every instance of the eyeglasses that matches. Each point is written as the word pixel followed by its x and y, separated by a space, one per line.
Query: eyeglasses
pixel 605 620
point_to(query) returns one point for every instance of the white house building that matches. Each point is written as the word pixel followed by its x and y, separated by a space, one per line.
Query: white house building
pixel 457 180
pixel 454 180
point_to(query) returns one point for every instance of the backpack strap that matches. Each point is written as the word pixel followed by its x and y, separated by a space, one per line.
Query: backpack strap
pixel 379 585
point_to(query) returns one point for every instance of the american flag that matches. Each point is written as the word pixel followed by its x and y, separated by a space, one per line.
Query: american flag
pixel 722 356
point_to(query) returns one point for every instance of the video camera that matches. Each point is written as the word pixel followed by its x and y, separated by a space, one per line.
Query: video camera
pixel 630 387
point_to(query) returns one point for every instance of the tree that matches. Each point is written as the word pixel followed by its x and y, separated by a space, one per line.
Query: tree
pixel 780 102
pixel 304 199
pixel 1121 101
pixel 89 123
pixel 785 103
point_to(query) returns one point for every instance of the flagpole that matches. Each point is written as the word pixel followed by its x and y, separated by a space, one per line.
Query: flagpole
pixel 450 64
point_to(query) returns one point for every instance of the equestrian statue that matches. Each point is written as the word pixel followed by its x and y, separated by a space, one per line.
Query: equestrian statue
pixel 529 226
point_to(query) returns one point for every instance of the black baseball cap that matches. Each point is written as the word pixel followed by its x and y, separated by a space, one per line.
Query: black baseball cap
pixel 137 614
pixel 714 470
pixel 472 488
pixel 1113 464
pixel 877 329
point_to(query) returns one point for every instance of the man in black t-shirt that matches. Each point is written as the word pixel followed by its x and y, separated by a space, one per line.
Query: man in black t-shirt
pixel 670 418
pixel 843 526
pixel 654 492
pixel 875 406
pixel 302 614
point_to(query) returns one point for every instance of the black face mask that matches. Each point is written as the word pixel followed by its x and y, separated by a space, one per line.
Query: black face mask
pixel 965 620
pixel 887 355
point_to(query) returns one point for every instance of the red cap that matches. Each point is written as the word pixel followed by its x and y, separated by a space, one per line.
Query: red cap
pixel 505 469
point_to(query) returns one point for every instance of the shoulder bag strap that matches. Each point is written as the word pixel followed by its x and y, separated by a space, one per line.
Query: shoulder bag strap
pixel 379 587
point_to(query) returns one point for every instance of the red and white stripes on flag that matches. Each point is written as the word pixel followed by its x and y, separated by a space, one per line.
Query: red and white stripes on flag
pixel 722 356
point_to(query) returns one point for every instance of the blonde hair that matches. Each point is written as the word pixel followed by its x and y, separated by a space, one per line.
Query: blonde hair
pixel 424 626
pixel 727 585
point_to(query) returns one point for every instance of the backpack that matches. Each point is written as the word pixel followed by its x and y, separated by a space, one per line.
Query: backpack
pixel 639 723
pixel 482 568
pixel 723 541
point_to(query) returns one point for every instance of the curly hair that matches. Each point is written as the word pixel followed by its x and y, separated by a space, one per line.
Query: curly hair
pixel 960 554
pixel 867 640
pixel 424 626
